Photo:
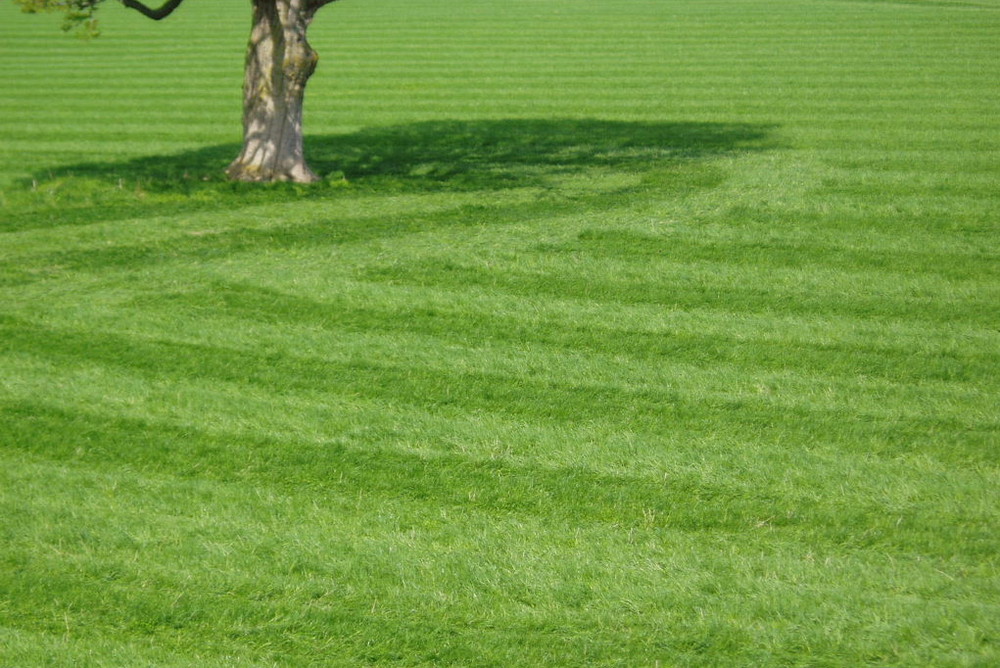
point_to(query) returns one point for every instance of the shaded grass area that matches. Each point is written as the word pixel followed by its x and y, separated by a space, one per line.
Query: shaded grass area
pixel 453 156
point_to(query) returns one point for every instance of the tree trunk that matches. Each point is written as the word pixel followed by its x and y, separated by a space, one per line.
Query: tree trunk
pixel 279 62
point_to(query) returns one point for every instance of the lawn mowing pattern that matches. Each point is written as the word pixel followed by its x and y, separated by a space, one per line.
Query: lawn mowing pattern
pixel 617 334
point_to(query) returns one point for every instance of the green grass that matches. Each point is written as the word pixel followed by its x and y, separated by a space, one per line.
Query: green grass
pixel 637 333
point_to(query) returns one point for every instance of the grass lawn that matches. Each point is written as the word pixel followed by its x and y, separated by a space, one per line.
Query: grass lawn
pixel 635 333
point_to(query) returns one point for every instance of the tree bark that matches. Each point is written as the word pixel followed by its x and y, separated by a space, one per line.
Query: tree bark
pixel 279 63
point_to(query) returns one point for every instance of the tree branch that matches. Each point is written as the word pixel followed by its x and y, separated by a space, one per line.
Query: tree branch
pixel 314 5
pixel 155 14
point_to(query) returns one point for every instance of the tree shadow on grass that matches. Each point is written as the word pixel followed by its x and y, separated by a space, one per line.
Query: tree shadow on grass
pixel 500 154
pixel 429 156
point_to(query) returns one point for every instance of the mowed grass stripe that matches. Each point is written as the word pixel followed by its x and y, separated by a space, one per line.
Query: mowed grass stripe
pixel 704 354
pixel 493 487
pixel 871 257
pixel 677 367
pixel 691 279
pixel 775 387
pixel 639 329
pixel 776 397
pixel 291 436
pixel 541 587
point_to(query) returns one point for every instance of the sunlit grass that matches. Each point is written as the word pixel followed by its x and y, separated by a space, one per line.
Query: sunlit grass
pixel 636 333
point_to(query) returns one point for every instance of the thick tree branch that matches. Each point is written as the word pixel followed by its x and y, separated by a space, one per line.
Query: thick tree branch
pixel 155 14
pixel 314 5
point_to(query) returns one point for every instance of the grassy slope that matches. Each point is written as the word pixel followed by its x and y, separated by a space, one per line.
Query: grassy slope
pixel 621 333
